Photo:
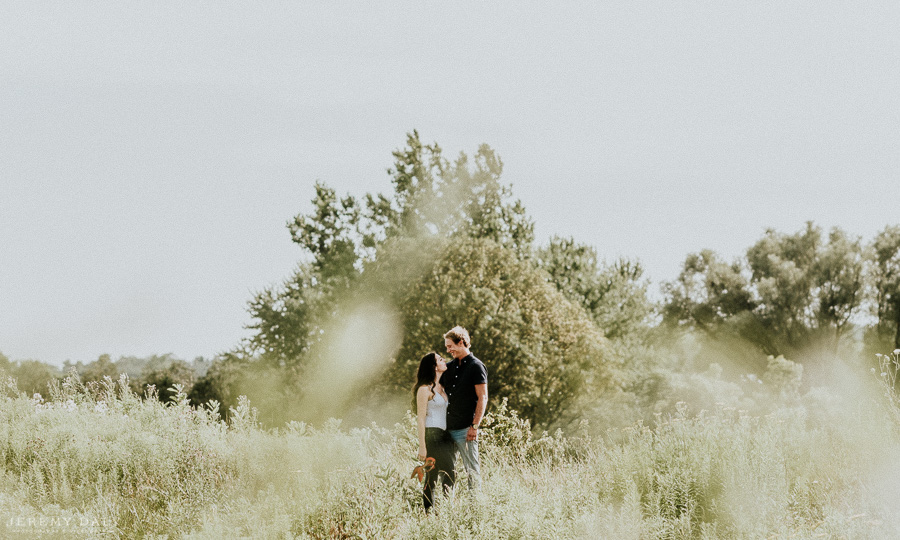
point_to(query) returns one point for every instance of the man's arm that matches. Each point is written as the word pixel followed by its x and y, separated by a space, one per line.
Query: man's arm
pixel 482 394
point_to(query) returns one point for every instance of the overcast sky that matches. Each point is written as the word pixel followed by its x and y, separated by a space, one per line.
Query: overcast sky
pixel 151 152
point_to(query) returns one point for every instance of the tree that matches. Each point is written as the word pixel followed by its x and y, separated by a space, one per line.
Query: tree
pixel 329 234
pixel 433 199
pixel 808 290
pixel 231 376
pixel 286 319
pixel 884 269
pixel 221 383
pixel 102 367
pixel 448 246
pixel 165 377
pixel 33 376
pixel 135 367
pixel 709 294
pixel 541 349
pixel 792 291
pixel 614 295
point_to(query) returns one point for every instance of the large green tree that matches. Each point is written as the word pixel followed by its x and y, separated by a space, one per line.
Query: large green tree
pixel 448 246
pixel 541 349
pixel 790 292
pixel 433 198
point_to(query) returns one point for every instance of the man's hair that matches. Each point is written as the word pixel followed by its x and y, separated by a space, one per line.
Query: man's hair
pixel 457 334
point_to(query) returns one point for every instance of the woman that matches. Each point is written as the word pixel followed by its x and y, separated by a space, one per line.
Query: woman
pixel 434 440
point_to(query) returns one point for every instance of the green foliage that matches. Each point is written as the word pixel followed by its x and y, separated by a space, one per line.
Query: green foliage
pixel 614 295
pixel 327 234
pixel 806 288
pixel 218 384
pixel 5 364
pixel 446 222
pixel 707 293
pixel 433 199
pixel 33 376
pixel 541 350
pixel 135 366
pixel 285 319
pixel 97 370
pixel 790 292
pixel 884 268
pixel 133 465
pixel 164 379
pixel 232 376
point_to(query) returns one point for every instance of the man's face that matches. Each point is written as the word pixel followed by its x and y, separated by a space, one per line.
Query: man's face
pixel 455 350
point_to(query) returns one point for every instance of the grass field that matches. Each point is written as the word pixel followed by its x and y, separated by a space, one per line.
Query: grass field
pixel 100 462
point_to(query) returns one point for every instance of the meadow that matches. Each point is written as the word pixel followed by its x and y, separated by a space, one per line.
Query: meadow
pixel 101 462
pixel 741 405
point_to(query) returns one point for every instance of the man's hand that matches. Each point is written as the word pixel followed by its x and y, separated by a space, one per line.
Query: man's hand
pixel 480 407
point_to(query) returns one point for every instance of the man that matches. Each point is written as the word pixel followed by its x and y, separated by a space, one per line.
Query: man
pixel 466 384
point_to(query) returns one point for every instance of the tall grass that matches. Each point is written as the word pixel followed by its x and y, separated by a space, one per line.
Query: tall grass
pixel 101 462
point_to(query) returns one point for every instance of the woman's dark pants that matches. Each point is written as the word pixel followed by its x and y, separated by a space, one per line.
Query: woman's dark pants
pixel 438 445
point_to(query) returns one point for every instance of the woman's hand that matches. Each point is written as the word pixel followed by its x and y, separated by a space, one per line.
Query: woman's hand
pixel 422 454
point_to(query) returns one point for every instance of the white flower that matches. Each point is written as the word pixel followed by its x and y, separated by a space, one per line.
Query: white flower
pixel 896 351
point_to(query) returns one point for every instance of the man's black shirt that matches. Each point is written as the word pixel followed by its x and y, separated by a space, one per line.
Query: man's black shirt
pixel 459 381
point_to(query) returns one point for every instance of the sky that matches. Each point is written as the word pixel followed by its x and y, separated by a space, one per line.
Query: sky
pixel 152 152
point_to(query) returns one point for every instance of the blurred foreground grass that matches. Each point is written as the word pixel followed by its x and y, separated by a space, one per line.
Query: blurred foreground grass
pixel 100 462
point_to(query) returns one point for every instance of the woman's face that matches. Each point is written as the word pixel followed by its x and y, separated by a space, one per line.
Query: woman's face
pixel 440 365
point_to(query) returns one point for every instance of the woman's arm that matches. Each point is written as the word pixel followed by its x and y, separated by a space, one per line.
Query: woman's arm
pixel 422 395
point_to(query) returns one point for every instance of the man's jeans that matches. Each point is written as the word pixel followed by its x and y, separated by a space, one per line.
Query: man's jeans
pixel 468 450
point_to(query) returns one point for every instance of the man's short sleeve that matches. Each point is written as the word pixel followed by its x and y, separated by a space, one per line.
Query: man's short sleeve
pixel 479 374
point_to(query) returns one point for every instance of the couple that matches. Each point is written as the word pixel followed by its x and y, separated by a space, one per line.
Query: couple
pixel 451 398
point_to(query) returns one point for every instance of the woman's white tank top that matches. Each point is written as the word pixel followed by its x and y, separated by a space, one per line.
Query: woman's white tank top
pixel 436 412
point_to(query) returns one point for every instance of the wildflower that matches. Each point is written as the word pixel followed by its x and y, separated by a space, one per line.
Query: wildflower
pixel 883 374
pixel 896 351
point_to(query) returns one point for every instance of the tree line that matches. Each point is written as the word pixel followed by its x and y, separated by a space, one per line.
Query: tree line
pixel 161 372
pixel 558 327
pixel 794 292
